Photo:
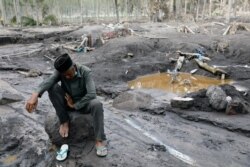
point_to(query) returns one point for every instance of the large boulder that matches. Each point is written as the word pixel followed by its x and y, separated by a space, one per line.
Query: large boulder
pixel 8 94
pixel 132 100
pixel 81 128
pixel 217 97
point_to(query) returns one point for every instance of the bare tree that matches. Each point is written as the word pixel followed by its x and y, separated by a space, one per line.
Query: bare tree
pixel 17 11
pixel 117 11
pixel 3 12
pixel 81 6
pixel 210 8
pixel 229 10
pixel 185 11
pixel 246 5
pixel 204 8
pixel 178 7
pixel 197 9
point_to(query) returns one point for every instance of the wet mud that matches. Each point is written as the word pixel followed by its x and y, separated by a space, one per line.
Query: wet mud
pixel 154 135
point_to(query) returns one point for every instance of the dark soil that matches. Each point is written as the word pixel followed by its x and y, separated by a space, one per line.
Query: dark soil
pixel 146 137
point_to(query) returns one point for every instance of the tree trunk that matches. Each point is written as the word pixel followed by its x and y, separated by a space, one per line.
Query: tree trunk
pixel 198 8
pixel 185 7
pixel 171 9
pixel 245 6
pixel 178 7
pixel 81 5
pixel 210 8
pixel 17 11
pixel 229 10
pixel 3 12
pixel 204 8
pixel 37 12
pixel 98 10
pixel 117 11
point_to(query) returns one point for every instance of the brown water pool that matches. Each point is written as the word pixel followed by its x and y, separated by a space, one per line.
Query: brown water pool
pixel 180 84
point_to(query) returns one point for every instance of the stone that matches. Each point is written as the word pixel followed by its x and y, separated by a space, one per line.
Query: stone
pixel 217 97
pixel 237 106
pixel 132 100
pixel 81 128
pixel 182 102
pixel 8 94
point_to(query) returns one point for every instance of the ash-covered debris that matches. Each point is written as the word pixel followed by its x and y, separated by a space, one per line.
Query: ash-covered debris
pixel 157 147
pixel 223 98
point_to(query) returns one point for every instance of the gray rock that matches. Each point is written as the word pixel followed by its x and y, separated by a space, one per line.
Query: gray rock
pixel 181 102
pixel 81 128
pixel 8 94
pixel 217 97
pixel 132 100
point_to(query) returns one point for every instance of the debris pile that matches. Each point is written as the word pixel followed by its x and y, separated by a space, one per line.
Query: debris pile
pixel 233 28
pixel 116 31
pixel 223 98
pixel 200 58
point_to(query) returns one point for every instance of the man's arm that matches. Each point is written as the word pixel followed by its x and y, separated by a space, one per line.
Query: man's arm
pixel 47 83
pixel 91 92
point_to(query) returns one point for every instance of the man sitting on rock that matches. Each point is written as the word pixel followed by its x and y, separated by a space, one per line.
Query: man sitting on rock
pixel 77 92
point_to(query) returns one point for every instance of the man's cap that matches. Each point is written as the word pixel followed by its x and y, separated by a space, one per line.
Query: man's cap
pixel 63 63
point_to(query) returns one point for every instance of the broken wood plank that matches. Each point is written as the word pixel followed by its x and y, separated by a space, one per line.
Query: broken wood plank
pixel 180 62
pixel 205 66
pixel 192 55
pixel 189 30
pixel 227 30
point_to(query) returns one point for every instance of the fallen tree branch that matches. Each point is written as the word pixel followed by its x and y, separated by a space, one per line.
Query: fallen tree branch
pixel 14 69
pixel 218 23
pixel 49 58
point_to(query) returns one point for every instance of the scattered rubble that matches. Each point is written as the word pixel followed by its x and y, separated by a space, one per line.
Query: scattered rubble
pixel 233 28
pixel 223 98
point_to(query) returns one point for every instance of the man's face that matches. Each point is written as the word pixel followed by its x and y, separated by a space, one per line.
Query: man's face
pixel 70 73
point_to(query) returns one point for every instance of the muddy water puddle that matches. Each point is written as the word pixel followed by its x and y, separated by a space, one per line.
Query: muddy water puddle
pixel 10 159
pixel 181 83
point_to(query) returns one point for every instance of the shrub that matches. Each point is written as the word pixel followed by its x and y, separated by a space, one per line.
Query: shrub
pixel 50 20
pixel 27 21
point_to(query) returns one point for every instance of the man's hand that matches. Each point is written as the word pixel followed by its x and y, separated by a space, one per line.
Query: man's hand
pixel 32 102
pixel 69 100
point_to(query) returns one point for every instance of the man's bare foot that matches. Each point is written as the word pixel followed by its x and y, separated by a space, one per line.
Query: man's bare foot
pixel 64 129
pixel 101 149
pixel 99 143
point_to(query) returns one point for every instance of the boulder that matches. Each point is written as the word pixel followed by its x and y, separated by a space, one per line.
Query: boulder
pixel 8 94
pixel 132 100
pixel 237 106
pixel 81 128
pixel 217 97
pixel 182 102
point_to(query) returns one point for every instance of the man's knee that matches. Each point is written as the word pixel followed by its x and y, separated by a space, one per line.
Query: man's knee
pixel 96 105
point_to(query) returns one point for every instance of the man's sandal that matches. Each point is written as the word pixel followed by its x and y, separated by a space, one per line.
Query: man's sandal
pixel 101 151
pixel 63 152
